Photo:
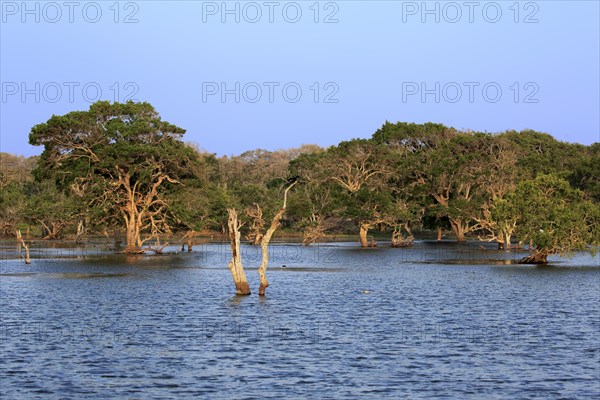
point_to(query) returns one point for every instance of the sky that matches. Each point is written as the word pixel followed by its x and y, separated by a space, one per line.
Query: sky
pixel 241 75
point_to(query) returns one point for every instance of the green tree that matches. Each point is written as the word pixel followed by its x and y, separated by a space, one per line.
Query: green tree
pixel 586 175
pixel 556 218
pixel 12 206
pixel 360 168
pixel 52 209
pixel 123 157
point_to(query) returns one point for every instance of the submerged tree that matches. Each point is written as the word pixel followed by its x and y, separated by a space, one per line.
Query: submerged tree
pixel 556 218
pixel 124 156
pixel 235 265
pixel 120 166
pixel 266 239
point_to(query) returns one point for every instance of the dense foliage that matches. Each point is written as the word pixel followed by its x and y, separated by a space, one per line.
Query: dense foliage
pixel 119 167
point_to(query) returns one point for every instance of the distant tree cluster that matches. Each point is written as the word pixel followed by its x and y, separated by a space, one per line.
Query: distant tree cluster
pixel 120 167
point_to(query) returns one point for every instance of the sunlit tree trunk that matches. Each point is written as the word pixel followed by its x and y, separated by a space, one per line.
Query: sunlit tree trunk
pixel 235 265
pixel 21 244
pixel 264 244
pixel 501 244
pixel 458 229
pixel 80 231
pixel 132 233
pixel 507 239
pixel 141 209
pixel 364 230
pixel 439 234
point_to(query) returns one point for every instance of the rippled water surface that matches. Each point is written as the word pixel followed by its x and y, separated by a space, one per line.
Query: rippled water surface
pixel 433 321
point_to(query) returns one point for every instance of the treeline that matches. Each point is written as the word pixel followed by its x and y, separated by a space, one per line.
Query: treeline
pixel 119 167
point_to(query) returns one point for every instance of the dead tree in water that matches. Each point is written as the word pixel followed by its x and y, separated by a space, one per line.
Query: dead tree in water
pixel 21 243
pixel 190 235
pixel 235 265
pixel 80 232
pixel 264 243
pixel 316 231
pixel 158 247
pixel 398 238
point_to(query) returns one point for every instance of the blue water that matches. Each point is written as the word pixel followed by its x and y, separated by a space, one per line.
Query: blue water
pixel 433 321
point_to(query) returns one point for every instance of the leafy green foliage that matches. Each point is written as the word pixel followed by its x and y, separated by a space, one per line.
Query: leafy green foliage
pixel 523 183
pixel 556 217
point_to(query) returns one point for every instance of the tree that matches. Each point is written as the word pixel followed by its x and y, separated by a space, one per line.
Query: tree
pixel 12 210
pixel 51 209
pixel 540 153
pixel 266 239
pixel 355 164
pixel 556 218
pixel 370 208
pixel 317 208
pixel 495 174
pixel 235 265
pixel 404 214
pixel 443 173
pixel 360 168
pixel 318 204
pixel 123 156
pixel 15 177
pixel 433 169
pixel 586 175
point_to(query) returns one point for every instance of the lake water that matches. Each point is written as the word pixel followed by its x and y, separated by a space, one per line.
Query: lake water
pixel 433 321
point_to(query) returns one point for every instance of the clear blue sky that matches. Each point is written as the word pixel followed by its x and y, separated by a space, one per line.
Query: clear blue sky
pixel 370 66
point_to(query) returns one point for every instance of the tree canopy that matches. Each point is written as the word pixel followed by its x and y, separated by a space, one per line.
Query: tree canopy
pixel 120 167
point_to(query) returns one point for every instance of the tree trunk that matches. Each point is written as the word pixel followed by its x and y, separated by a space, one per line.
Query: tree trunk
pixel 264 244
pixel 80 230
pixel 133 236
pixel 21 244
pixel 399 240
pixel 439 234
pixel 364 230
pixel 507 238
pixel 235 265
pixel 500 239
pixel 190 235
pixel 458 229
pixel 539 256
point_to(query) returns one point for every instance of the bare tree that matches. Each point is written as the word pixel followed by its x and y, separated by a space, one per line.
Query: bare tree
pixel 235 265
pixel 21 244
pixel 266 239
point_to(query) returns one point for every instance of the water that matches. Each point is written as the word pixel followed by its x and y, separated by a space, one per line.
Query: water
pixel 434 321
